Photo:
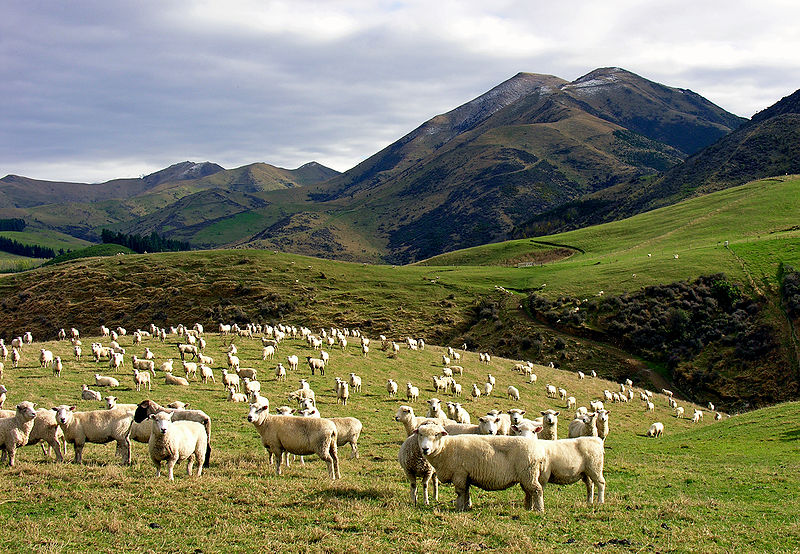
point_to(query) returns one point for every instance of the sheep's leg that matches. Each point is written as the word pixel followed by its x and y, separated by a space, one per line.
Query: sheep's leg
pixel 78 453
pixel 589 489
pixel 56 446
pixel 157 463
pixel 601 488
pixel 354 448
pixel 435 487
pixel 199 457
pixel 463 501
pixel 335 456
pixel 171 468
pixel 413 493
pixel 190 464
pixel 12 453
pixel 278 457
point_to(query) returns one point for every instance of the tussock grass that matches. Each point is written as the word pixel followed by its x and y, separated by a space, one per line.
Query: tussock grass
pixel 714 486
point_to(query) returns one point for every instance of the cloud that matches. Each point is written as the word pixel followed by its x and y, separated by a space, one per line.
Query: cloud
pixel 95 91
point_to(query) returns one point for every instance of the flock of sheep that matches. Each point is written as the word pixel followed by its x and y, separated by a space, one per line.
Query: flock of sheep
pixel 496 452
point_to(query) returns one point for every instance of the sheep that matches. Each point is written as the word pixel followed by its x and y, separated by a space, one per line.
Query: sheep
pixel 457 369
pixel 650 407
pixel 141 378
pixel 415 466
pixel 175 441
pixel 296 435
pixel 412 392
pixel 170 379
pixel 315 364
pixel 167 366
pixel 103 381
pixel 234 396
pixel 206 374
pixel 562 394
pixel 391 388
pixel 348 429
pixel 567 461
pixel 233 362
pixel 526 428
pixel 302 394
pixel 3 393
pixel 487 389
pixel 666 392
pixel 96 426
pixel 582 428
pixel 698 415
pixel 440 384
pixel 435 410
pixel 247 373
pixel 550 425
pixel 293 362
pixel 476 392
pixel 461 415
pixel 256 398
pixel 27 338
pixel 58 366
pixel 488 462
pixel 88 394
pixel 571 403
pixel 15 430
pixel 280 372
pixel 146 408
pixel 455 388
pixel 184 349
pixel 45 358
pixel 656 429
pixel 581 375
pixel 405 415
pixel 178 405
pixel 679 412
pixel 513 393
pixel 190 368
pixel 717 416
pixel 111 403
pixel 16 357
pixel 342 392
pixel 552 392
pixel 711 406
pixel 46 430
pixel 355 382
pixel 230 380
pixel 532 378
pixel 116 360
pixel 504 423
pixel 596 405
pixel 268 352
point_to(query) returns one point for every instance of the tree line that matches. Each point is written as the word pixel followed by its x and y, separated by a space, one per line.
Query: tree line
pixel 141 244
pixel 29 250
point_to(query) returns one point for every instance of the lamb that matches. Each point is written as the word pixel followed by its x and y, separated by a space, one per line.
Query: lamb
pixel 679 411
pixel 293 361
pixel 571 403
pixel 487 389
pixel 96 426
pixel 46 429
pixel 550 425
pixel 316 364
pixel 171 379
pixel 355 382
pixel 16 357
pixel 175 441
pixel 111 403
pixel 711 406
pixel 103 381
pixel 296 435
pixel 58 366
pixel 15 430
pixel 141 378
pixel 167 366
pixel 698 415
pixel 280 372
pixel 415 466
pixel 488 462
pixel 717 416
pixel 562 394
pixel 148 407
pixel 656 429
pixel 348 429
pixel 476 392
pixel 513 393
pixel 45 358
pixel 552 392
pixel 412 392
pixel 391 387
pixel 88 394
pixel 268 352
pixel 532 378
pixel 342 392
pixel 206 374
pixel 650 407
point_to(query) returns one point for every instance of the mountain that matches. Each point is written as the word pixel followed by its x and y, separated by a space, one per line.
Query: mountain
pixel 766 146
pixel 531 144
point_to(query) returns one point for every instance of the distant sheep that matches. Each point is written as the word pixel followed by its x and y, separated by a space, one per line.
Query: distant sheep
pixel 656 429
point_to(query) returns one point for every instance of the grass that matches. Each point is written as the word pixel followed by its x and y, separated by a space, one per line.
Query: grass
pixel 46 238
pixel 90 252
pixel 13 263
pixel 720 486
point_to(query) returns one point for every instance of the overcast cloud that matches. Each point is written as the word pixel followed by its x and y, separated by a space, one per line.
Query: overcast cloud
pixel 96 90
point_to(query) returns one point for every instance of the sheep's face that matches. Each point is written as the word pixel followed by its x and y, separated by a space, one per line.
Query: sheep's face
pixel 255 411
pixel 161 422
pixel 435 404
pixel 283 410
pixel 516 415
pixel 27 410
pixel 489 425
pixel 63 413
pixel 429 438
pixel 111 401
pixel 550 417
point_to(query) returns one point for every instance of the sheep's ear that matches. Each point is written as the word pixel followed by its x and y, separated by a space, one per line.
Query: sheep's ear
pixel 522 412
pixel 537 429
pixel 556 413
pixel 152 416
pixel 544 413
pixel 515 428
pixel 414 432
pixel 443 433
pixel 72 408
pixel 54 409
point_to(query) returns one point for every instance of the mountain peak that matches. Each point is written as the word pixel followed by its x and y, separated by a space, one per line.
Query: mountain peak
pixel 786 105
pixel 182 171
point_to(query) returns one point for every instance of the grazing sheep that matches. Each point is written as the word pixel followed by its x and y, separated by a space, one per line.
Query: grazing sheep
pixel 650 407
pixel 88 394
pixel 476 392
pixel 3 393
pixel 230 380
pixel 247 373
pixel 296 435
pixel 96 426
pixel 412 392
pixel 656 429
pixel 146 408
pixel 488 462
pixel 316 364
pixel 176 441
pixel 141 378
pixel 513 393
pixel 167 366
pixel 171 379
pixel 415 466
pixel 15 430
pixel 698 415
pixel 552 392
pixel 679 412
pixel 457 369
pixel 206 374
pixel 348 429
pixel 184 349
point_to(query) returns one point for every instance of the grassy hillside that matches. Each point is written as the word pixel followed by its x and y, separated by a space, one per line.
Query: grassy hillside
pixel 47 238
pixel 699 488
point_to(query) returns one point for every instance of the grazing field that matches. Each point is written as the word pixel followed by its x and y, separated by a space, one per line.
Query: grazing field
pixel 712 486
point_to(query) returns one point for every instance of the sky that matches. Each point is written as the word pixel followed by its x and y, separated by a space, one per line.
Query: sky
pixel 96 90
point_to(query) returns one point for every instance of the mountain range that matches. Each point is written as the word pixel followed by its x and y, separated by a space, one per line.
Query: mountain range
pixel 534 153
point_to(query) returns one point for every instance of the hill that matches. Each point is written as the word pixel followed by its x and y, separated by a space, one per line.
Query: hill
pixel 531 144
pixel 698 488
pixel 767 145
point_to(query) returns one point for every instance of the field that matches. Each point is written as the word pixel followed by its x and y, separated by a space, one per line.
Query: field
pixel 713 486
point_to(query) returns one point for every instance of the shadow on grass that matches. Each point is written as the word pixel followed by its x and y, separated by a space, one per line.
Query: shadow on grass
pixel 790 435
pixel 352 494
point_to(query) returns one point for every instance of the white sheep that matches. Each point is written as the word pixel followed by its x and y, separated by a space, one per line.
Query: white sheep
pixel 656 429
pixel 141 378
pixel 15 430
pixel 171 379
pixel 111 403
pixel 488 462
pixel 234 396
pixel 552 392
pixel 103 381
pixel 391 387
pixel 280 372
pixel 176 441
pixel 355 382
pixel 679 412
pixel 568 461
pixel 88 394
pixel 526 428
pixel 583 428
pixel 3 393
pixel 168 366
pixel 416 466
pixel 405 415
pixel 268 352
pixel 58 366
pixel 487 389
pixel 550 425
pixel 45 358
pixel 412 392
pixel 571 403
pixel 476 392
pixel 206 374
pixel 296 435
pixel 45 430
pixel 145 408
pixel 302 394
pixel 532 378
pixel 316 364
pixel 435 410
pixel 230 380
pixel 96 426
pixel 342 392
pixel 348 429
pixel 650 407
pixel 562 394
pixel 698 415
